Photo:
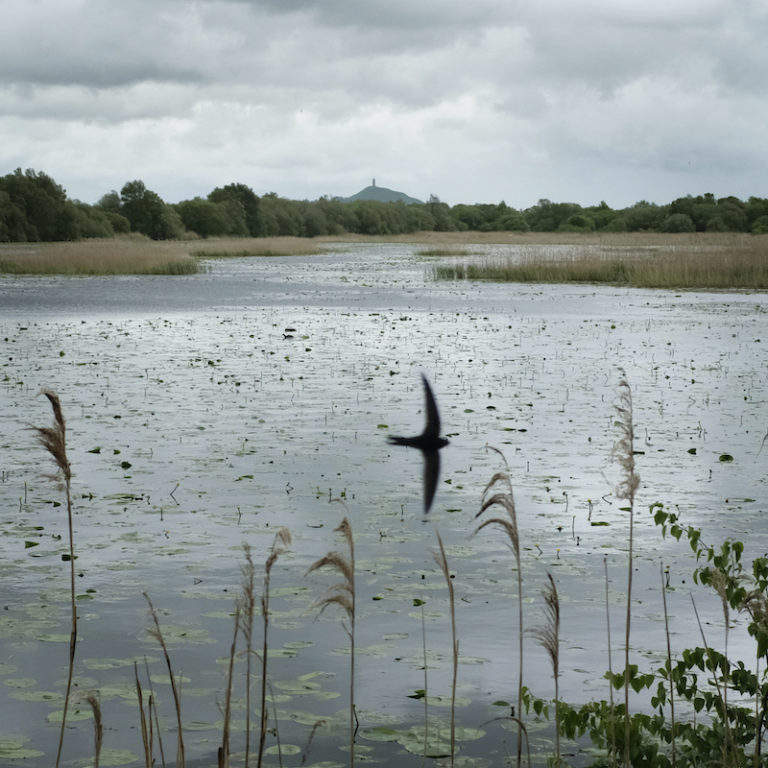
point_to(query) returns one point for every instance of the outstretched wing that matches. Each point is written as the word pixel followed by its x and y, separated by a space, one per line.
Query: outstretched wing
pixel 432 428
pixel 431 473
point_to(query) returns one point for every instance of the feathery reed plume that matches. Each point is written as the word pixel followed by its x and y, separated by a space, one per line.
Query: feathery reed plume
pixel 54 440
pixel 624 453
pixel 146 739
pixel 343 594
pixel 280 545
pixel 442 562
pixel 669 664
pixel 506 500
pixel 223 754
pixel 158 635
pixel 98 729
pixel 548 637
pixel 246 607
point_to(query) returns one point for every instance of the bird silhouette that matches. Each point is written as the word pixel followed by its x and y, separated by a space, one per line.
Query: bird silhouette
pixel 429 443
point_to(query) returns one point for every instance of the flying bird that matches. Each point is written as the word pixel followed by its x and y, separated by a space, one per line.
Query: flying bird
pixel 429 443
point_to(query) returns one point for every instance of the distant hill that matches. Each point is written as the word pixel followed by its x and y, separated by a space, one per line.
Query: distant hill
pixel 382 194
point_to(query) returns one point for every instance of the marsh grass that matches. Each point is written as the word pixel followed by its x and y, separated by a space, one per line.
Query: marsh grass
pixel 444 252
pixel 720 263
pixel 256 246
pixel 119 256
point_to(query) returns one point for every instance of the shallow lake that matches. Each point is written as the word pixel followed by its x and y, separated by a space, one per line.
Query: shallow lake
pixel 207 411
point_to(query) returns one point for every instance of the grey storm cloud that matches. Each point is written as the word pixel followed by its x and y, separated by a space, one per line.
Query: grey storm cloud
pixel 598 99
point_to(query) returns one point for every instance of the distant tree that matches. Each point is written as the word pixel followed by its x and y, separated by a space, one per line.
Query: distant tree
pixel 13 223
pixel 547 216
pixel 148 214
pixel 48 215
pixel 760 225
pixel 602 215
pixel 513 221
pixel 644 216
pixel 755 208
pixel 617 224
pixel 339 217
pixel 248 201
pixel 732 211
pixel 678 222
pixel 369 217
pixel 419 219
pixel 441 214
pixel 716 224
pixel 92 221
pixel 110 203
pixel 205 218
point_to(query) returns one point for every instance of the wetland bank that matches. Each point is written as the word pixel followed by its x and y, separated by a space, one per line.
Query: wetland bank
pixel 208 410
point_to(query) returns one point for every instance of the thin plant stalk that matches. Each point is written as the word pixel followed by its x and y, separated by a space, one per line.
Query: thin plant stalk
pixel 343 595
pixel 158 635
pixel 154 717
pixel 669 665
pixel 54 440
pixel 224 748
pixel 548 637
pixel 442 561
pixel 726 723
pixel 610 655
pixel 624 452
pixel 506 500
pixel 426 676
pixel 145 732
pixel 280 544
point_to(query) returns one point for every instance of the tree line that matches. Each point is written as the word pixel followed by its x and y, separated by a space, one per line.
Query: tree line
pixel 33 207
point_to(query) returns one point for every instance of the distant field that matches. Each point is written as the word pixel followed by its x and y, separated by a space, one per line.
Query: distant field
pixel 643 259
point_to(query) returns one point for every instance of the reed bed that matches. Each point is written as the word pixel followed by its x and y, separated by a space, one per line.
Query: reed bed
pixel 737 262
pixel 119 256
pixel 238 247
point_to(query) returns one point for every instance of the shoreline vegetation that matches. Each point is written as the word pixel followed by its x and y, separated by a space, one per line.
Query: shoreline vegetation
pixel 706 261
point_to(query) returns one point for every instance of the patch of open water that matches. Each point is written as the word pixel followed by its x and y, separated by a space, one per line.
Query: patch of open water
pixel 206 411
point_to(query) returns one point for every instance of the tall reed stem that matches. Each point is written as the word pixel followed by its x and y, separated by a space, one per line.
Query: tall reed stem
pixel 343 594
pixel 281 542
pixel 442 561
pixel 669 664
pixel 506 500
pixel 54 440
pixel 158 635
pixel 624 452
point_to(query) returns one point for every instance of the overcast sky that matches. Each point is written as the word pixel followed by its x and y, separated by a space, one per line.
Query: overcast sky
pixel 471 100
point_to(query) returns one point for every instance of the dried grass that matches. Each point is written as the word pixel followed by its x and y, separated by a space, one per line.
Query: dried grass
pixel 650 261
pixel 118 256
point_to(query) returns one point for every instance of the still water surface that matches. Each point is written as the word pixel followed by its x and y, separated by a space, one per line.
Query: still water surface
pixel 205 411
